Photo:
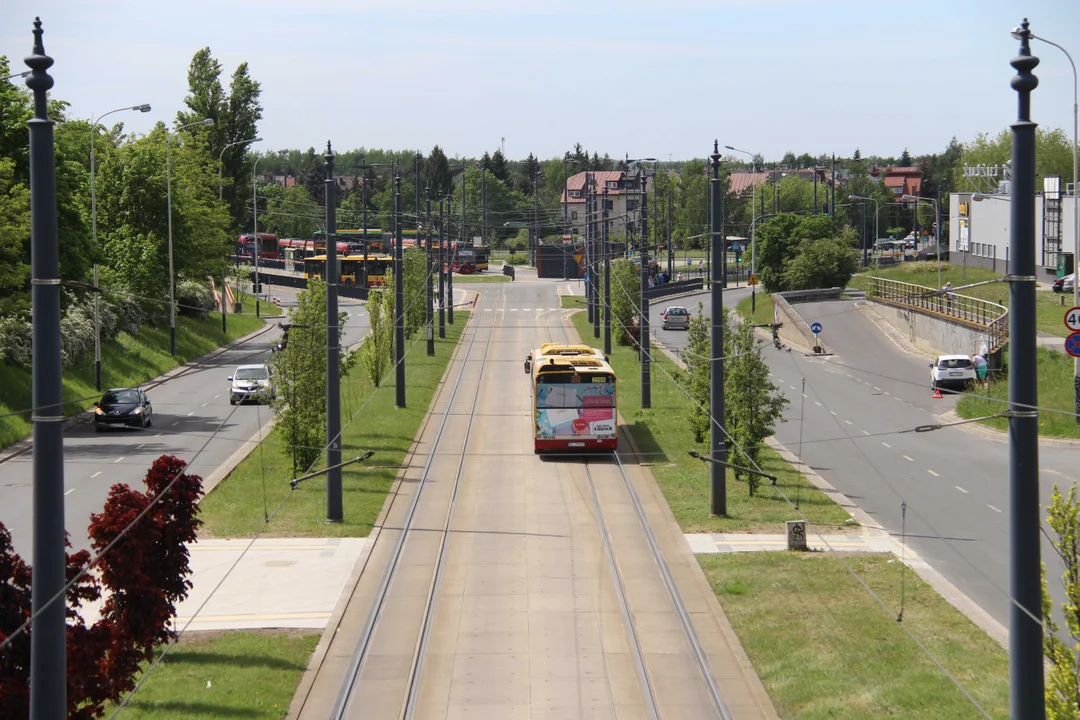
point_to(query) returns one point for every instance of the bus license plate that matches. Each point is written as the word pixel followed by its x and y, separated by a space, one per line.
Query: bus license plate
pixel 575 444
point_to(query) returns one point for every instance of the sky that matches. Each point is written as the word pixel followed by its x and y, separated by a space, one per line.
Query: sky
pixel 644 78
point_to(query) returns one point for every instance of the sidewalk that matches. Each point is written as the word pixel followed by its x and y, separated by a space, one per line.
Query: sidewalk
pixel 702 543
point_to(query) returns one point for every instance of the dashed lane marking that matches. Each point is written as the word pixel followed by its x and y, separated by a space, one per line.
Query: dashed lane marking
pixel 848 422
pixel 864 432
pixel 933 473
pixel 961 489
pixel 994 508
pixel 119 459
pixel 818 404
pixel 95 475
pixel 908 458
pixel 69 492
pixel 191 413
pixel 886 444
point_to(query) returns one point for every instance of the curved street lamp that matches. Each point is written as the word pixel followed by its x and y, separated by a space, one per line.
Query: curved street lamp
pixel 93 224
pixel 937 226
pixel 168 185
pixel 221 155
pixel 753 204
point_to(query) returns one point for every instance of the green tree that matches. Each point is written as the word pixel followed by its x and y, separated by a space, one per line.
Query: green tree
pixel 377 349
pixel 436 173
pixel 823 263
pixel 498 167
pixel 415 276
pixel 289 212
pixel 14 239
pixel 779 242
pixel 625 298
pixel 1061 649
pixel 692 204
pixel 697 378
pixel 300 376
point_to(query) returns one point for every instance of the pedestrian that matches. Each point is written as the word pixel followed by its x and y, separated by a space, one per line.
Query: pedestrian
pixel 980 368
pixel 949 292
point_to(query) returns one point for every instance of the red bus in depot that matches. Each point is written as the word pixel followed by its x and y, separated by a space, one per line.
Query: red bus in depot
pixel 268 246
pixel 573 399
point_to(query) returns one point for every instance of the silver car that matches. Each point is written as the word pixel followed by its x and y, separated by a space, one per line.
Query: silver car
pixel 676 317
pixel 251 382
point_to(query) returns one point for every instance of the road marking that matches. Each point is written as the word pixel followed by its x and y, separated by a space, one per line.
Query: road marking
pixel 832 412
pixel 791 386
pixel 216 397
pixel 865 433
pixel 933 473
pixel 908 458
pixel 95 475
pixel 119 459
pixel 805 395
pixel 140 446
pixel 191 413
pixel 993 508
pixel 205 404
pixel 877 388
pixel 961 489
pixel 817 403
pixel 174 422
pixel 159 434
pixel 897 399
pixel 886 444
pixel 848 422
pixel 69 492
pixel 526 309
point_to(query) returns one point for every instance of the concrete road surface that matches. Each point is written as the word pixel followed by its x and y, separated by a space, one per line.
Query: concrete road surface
pixel 853 424
pixel 192 420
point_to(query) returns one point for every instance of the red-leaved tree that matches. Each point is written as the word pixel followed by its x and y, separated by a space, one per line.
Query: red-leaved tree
pixel 142 577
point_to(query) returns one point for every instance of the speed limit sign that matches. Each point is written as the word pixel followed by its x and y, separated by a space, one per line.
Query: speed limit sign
pixel 1072 319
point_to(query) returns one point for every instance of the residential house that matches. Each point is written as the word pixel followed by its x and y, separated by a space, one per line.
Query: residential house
pixel 623 195
pixel 900 180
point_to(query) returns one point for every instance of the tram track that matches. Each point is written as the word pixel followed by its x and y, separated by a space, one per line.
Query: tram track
pixel 344 706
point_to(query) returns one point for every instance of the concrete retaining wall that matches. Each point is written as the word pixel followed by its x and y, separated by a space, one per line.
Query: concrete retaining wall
pixel 793 329
pixel 930 333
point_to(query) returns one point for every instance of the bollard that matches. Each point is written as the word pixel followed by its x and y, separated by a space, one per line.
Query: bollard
pixel 796 534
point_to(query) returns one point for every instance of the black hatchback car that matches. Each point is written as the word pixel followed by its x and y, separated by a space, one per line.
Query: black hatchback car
pixel 127 407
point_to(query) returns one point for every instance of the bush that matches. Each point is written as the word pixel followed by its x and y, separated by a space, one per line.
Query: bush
pixel 194 298
pixel 517 260
pixel 15 340
pixel 823 263
pixel 76 333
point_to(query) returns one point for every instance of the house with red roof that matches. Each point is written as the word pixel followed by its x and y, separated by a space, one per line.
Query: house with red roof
pixel 623 196
pixel 900 180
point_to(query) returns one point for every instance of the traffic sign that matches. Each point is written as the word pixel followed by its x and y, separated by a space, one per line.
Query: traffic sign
pixel 567 239
pixel 752 280
pixel 1072 319
pixel 815 328
pixel 1072 344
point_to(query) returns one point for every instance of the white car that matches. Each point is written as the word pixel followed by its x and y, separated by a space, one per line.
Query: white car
pixel 251 382
pixel 956 371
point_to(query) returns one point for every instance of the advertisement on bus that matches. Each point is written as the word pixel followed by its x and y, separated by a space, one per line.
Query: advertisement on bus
pixel 575 410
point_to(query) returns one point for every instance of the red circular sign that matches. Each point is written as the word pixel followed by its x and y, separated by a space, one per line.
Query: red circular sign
pixel 580 426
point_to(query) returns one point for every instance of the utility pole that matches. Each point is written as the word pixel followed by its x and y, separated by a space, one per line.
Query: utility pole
pixel 399 301
pixel 419 214
pixel 670 251
pixel 536 217
pixel 334 509
pixel 451 251
pixel 429 327
pixel 587 251
pixel 363 202
pixel 566 223
pixel 594 271
pixel 483 204
pixel 643 321
pixel 607 281
pixel 48 641
pixel 442 271
pixel 717 446
pixel 832 205
pixel 1026 687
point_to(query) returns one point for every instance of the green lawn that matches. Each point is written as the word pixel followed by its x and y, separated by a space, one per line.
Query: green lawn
pixel 235 507
pixel 488 277
pixel 663 434
pixel 126 360
pixel 763 308
pixel 243 674
pixel 573 301
pixel 1049 307
pixel 1055 392
pixel 247 304
pixel 824 648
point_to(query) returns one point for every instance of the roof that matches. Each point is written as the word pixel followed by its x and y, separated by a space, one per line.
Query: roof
pixel 743 181
pixel 603 177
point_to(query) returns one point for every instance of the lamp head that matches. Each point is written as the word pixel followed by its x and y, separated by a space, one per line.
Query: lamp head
pixel 978 197
pixel 255 140
pixel 855 197
pixel 207 122
pixel 909 198
pixel 142 108
pixel 1017 33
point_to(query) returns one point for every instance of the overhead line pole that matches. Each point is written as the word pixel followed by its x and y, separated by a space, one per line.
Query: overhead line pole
pixel 607 280
pixel 643 324
pixel 334 497
pixel 429 327
pixel 717 446
pixel 442 270
pixel 399 301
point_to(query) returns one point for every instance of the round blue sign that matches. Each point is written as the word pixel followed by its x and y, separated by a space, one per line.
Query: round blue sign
pixel 815 328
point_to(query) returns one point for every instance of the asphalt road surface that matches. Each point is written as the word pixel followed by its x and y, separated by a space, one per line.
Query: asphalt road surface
pixel 192 420
pixel 852 424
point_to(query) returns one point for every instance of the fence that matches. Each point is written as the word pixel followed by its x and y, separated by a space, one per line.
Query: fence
pixel 971 310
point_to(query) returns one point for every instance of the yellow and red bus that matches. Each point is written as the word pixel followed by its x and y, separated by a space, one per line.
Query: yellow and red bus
pixel 352 269
pixel 574 399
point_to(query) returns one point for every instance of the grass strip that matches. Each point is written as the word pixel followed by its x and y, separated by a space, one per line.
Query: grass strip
pixel 236 507
pixel 126 360
pixel 763 308
pixel 663 435
pixel 493 278
pixel 248 674
pixel 824 648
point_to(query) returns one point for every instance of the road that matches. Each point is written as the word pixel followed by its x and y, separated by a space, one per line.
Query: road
pixel 192 420
pixel 849 425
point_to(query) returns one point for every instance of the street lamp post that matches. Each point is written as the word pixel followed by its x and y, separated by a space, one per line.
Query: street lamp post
pixel 937 228
pixel 93 224
pixel 753 245
pixel 1076 201
pixel 221 156
pixel 168 186
pixel 255 232
pixel 877 206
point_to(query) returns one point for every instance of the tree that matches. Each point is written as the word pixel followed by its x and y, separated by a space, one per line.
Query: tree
pixel 529 167
pixel 789 160
pixel 779 243
pixel 905 158
pixel 141 578
pixel 377 349
pixel 822 263
pixel 856 155
pixel 697 376
pixel 300 371
pixel 414 279
pixel 1063 677
pixel 436 173
pixel 497 166
pixel 290 211
pixel 14 240
pixel 625 298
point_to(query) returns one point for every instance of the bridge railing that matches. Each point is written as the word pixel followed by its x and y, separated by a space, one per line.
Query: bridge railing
pixel 992 315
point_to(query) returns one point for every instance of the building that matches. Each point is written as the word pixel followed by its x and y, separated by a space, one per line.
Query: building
pixel 980 229
pixel 901 180
pixel 623 195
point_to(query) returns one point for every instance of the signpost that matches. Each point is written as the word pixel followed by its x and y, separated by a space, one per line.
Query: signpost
pixel 1072 319
pixel 1072 344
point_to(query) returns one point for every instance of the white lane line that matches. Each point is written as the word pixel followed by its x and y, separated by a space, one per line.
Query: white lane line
pixel 69 492
pixel 865 433
pixel 791 386
pixel 191 413
pixel 805 395
pixel 933 473
pixel 140 446
pixel 95 475
pixel 205 404
pixel 119 459
pixel 908 458
pixel 886 444
pixel 832 412
pixel 216 397
pixel 848 422
pixel 159 434
pixel 779 379
pixel 174 422
pixel 897 399
pixel 877 388
pixel 817 403
pixel 993 508
pixel 961 489
pixel 526 309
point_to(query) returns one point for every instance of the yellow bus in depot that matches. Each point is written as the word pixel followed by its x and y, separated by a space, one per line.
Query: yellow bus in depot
pixel 352 269
pixel 574 399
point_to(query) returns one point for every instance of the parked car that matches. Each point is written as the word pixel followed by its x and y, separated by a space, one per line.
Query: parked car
pixel 1064 284
pixel 126 407
pixel 952 371
pixel 251 382
pixel 676 317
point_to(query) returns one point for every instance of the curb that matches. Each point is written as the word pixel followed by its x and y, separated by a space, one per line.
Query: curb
pixel 952 594
pixel 21 447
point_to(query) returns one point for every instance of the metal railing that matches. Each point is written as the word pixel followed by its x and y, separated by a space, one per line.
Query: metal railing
pixel 977 311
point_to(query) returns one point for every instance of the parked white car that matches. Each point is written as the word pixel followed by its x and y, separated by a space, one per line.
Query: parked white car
pixel 251 382
pixel 952 371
